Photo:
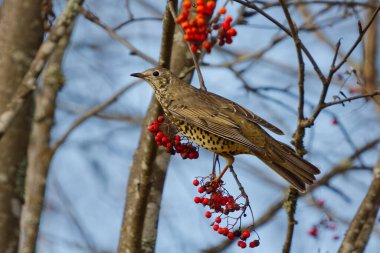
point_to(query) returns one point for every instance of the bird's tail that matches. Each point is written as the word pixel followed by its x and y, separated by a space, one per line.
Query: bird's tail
pixel 282 159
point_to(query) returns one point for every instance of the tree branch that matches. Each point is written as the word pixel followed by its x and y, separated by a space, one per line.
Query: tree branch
pixel 39 152
pixel 358 233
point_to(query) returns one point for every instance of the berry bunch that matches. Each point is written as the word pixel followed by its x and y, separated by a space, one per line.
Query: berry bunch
pixel 325 224
pixel 226 32
pixel 222 204
pixel 177 144
pixel 198 32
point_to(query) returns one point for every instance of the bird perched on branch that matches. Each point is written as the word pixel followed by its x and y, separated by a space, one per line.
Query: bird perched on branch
pixel 226 128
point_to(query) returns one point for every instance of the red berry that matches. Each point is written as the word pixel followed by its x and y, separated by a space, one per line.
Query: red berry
pixel 222 11
pixel 231 236
pixel 205 201
pixel 228 19
pixel 254 243
pixel 210 5
pixel 226 26
pixel 313 231
pixel 353 90
pixel 186 37
pixel 218 220
pixel 197 200
pixel 242 244
pixel 206 45
pixel 245 234
pixel 208 214
pixel 186 4
pixel 191 155
pixel 184 155
pixel 177 138
pixel 228 40
pixel 200 2
pixel 195 182
pixel 334 121
pixel 159 135
pixel 194 48
pixel 161 119
pixel 220 230
pixel 200 9
pixel 215 227
pixel 201 189
pixel 165 139
pixel 232 32
pixel 320 202
pixel 200 21
pixel 225 231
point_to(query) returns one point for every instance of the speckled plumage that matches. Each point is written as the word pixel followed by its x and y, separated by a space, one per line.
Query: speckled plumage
pixel 224 127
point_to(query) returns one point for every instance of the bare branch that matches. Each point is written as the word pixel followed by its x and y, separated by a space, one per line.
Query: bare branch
pixel 39 152
pixel 90 113
pixel 90 16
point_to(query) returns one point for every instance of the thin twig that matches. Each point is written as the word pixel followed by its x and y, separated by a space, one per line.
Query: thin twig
pixel 341 101
pixel 91 17
pixel 291 202
pixel 90 113
pixel 362 32
pixel 282 27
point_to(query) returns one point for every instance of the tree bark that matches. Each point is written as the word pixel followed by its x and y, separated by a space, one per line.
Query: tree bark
pixel 21 33
pixel 39 152
pixel 141 175
pixel 361 226
pixel 148 172
pixel 370 58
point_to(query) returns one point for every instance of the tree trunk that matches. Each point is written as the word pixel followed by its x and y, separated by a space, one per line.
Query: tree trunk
pixel 21 33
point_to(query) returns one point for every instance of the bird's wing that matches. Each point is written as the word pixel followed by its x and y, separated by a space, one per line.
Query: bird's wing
pixel 211 121
pixel 232 107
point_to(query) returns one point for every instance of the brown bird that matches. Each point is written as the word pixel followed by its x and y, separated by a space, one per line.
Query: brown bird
pixel 225 128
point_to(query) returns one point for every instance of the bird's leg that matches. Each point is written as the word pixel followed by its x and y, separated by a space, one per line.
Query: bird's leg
pixel 230 160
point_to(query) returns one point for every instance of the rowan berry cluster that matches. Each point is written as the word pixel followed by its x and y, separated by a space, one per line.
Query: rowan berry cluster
pixel 223 205
pixel 198 31
pixel 174 145
pixel 325 224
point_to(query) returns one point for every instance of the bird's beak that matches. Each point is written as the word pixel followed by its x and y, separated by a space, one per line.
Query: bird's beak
pixel 139 75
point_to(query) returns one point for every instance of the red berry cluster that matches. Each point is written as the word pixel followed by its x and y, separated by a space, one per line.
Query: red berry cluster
pixel 222 204
pixel 225 31
pixel 195 27
pixel 198 32
pixel 325 224
pixel 177 144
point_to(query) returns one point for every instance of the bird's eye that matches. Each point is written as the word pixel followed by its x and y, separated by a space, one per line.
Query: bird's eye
pixel 156 73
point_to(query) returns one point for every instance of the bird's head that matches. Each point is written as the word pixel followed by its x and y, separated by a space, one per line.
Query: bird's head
pixel 158 78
